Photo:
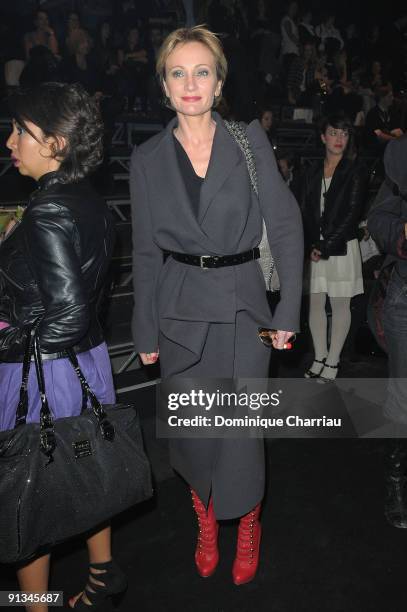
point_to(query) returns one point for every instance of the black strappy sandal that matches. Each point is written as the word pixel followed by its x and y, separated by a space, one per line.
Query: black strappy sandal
pixel 114 586
pixel 324 379
pixel 310 374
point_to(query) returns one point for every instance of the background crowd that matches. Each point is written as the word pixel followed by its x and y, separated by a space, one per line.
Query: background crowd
pixel 285 55
pixel 344 76
pixel 284 61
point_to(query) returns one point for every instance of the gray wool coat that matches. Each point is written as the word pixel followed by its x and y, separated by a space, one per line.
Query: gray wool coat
pixel 205 321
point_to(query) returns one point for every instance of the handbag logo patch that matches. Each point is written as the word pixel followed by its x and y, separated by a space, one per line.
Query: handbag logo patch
pixel 82 448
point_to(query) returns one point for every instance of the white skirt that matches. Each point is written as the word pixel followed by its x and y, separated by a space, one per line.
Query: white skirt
pixel 338 276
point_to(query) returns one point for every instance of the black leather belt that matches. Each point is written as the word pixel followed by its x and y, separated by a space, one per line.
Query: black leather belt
pixel 215 261
pixel 58 355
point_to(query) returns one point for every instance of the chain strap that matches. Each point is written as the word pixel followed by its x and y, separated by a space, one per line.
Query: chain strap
pixel 238 132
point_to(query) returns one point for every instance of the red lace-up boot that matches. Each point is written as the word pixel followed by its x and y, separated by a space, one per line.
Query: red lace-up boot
pixel 206 553
pixel 247 549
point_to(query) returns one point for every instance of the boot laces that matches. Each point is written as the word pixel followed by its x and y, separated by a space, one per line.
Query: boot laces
pixel 247 538
pixel 207 525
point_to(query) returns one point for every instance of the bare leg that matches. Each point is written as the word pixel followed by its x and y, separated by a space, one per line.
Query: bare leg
pixel 99 546
pixel 100 551
pixel 34 578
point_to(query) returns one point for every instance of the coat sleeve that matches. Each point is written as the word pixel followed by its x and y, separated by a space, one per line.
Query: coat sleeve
pixel 147 262
pixel 55 265
pixel 386 223
pixel 282 217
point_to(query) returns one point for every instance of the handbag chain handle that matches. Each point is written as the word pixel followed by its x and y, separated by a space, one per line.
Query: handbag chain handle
pixel 239 134
pixel 106 428
pixel 237 131
pixel 47 433
pixel 22 407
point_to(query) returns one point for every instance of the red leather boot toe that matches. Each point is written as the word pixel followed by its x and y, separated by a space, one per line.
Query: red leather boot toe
pixel 206 553
pixel 248 545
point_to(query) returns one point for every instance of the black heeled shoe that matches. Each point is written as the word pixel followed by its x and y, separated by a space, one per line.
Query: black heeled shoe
pixel 310 374
pixel 395 506
pixel 325 379
pixel 114 585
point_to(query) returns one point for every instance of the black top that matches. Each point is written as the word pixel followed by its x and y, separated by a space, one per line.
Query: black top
pixel 192 181
pixel 378 119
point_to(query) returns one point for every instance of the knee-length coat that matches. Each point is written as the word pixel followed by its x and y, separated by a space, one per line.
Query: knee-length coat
pixel 205 321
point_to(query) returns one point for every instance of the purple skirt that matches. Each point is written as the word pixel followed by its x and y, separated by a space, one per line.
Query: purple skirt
pixel 62 386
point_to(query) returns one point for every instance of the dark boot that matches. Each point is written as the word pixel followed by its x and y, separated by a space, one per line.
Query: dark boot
pixel 395 508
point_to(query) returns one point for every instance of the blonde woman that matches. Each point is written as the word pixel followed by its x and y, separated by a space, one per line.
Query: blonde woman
pixel 198 309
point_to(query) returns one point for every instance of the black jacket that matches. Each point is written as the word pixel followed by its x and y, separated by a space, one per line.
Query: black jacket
pixel 344 204
pixel 388 215
pixel 54 264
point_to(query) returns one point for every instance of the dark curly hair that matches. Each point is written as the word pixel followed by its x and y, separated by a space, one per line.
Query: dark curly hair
pixel 67 111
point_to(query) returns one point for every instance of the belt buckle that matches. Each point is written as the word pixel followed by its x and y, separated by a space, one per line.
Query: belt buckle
pixel 202 259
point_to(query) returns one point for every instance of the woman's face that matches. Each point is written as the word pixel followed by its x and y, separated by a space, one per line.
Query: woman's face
pixel 267 120
pixel 133 37
pixel 73 21
pixel 105 31
pixel 335 140
pixel 376 67
pixel 308 52
pixel 41 20
pixel 32 157
pixel 83 46
pixel 190 79
pixel 292 9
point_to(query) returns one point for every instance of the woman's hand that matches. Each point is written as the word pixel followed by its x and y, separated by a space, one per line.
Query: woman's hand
pixel 149 358
pixel 397 132
pixel 315 255
pixel 281 338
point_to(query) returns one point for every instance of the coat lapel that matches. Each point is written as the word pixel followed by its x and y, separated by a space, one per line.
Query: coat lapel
pixel 169 174
pixel 337 185
pixel 225 156
pixel 337 179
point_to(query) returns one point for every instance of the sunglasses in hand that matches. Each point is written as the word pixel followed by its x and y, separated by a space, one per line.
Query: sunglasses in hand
pixel 267 336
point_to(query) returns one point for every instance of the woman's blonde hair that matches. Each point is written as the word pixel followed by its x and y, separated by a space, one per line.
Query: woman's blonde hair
pixel 196 34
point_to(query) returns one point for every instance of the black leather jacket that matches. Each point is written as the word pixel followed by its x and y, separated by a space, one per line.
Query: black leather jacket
pixel 54 264
pixel 344 203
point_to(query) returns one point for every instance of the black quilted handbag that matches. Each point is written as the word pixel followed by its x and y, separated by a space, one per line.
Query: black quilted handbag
pixel 60 478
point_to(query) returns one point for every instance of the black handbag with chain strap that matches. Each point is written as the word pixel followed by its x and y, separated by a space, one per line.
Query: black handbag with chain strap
pixel 237 131
pixel 60 478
